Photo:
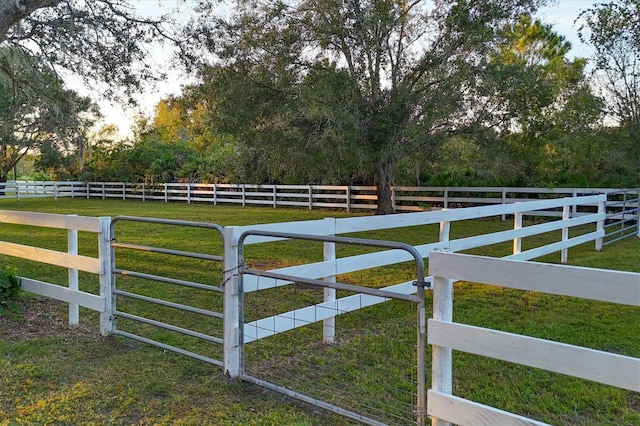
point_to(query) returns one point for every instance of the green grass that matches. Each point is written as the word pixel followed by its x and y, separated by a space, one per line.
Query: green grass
pixel 50 374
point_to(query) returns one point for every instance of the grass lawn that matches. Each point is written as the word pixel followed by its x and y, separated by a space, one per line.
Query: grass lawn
pixel 53 374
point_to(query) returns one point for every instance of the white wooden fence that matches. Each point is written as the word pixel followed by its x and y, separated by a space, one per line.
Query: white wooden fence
pixel 445 335
pixel 445 219
pixel 591 223
pixel 71 260
pixel 310 196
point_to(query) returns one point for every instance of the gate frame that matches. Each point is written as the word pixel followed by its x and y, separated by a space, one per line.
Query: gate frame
pixel 420 283
pixel 114 291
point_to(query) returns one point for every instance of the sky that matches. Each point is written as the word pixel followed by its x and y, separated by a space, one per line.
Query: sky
pixel 562 15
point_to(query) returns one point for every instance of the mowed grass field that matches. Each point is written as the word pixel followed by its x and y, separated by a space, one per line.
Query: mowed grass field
pixel 53 374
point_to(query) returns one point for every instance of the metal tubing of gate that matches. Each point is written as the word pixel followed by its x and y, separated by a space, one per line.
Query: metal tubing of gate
pixel 115 292
pixel 421 410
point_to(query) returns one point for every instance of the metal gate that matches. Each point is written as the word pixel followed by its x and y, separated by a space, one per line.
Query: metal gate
pixel 623 215
pixel 347 369
pixel 173 298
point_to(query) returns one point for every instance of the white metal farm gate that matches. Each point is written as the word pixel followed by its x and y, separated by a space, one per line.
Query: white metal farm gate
pixel 126 296
pixel 310 367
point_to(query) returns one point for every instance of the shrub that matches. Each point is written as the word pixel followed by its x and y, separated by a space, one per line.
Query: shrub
pixel 9 289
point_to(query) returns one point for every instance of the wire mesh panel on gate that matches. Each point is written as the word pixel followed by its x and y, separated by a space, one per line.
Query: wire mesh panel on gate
pixel 368 368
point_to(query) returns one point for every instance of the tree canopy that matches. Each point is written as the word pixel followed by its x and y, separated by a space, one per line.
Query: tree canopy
pixel 37 112
pixel 102 41
pixel 613 29
pixel 409 72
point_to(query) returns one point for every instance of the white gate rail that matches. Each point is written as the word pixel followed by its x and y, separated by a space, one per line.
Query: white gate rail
pixel 446 335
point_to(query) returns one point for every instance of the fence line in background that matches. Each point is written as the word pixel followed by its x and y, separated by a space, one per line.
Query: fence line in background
pixel 622 208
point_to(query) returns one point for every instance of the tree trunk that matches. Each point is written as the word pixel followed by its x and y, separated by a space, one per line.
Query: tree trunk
pixel 384 175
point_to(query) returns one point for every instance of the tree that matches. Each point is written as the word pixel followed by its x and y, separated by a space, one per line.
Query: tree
pixel 103 41
pixel 37 113
pixel 613 30
pixel 411 70
pixel 539 97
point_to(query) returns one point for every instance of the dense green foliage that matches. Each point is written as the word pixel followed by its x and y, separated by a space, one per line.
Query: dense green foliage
pixel 369 92
pixel 39 115
pixel 9 290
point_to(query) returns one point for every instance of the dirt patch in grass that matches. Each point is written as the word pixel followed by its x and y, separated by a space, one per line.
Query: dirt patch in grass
pixel 40 318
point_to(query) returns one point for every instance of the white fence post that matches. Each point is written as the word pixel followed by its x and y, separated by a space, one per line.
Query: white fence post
pixel 504 201
pixel 602 209
pixel 231 310
pixel 564 253
pixel 445 228
pixel 445 196
pixel 517 224
pixel 106 276
pixel 215 194
pixel 166 193
pixel 72 248
pixel 393 197
pixel 329 324
pixel 441 375
pixel 349 199
pixel 275 196
pixel 638 214
pixel 310 197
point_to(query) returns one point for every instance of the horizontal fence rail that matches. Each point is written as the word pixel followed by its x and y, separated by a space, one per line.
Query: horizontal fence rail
pixel 622 207
pixel 71 260
pixel 446 335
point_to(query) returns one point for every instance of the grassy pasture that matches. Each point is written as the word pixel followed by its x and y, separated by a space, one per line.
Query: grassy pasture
pixel 50 374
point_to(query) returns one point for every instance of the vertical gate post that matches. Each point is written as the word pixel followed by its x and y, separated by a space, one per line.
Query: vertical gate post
pixel 72 248
pixel 441 378
pixel 106 276
pixel 232 305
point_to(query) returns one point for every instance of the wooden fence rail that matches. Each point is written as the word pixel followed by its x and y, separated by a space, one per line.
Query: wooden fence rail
pixel 71 260
pixel 446 335
pixel 310 196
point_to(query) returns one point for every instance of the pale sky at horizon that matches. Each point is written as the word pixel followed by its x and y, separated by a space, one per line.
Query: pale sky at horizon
pixel 561 15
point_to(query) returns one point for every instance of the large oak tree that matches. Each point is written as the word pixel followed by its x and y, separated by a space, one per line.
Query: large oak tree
pixel 412 69
pixel 37 113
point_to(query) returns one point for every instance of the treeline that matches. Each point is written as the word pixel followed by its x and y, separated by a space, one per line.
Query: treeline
pixel 166 150
pixel 388 93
